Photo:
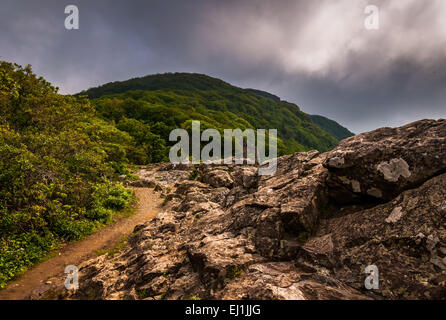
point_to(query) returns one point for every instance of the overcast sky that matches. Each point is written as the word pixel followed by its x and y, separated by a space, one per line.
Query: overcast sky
pixel 315 53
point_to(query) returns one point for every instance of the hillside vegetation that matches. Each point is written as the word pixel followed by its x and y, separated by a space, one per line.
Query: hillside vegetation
pixel 60 155
pixel 149 108
pixel 332 127
pixel 57 161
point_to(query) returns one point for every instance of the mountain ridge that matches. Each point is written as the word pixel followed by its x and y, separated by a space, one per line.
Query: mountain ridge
pixel 332 127
pixel 172 100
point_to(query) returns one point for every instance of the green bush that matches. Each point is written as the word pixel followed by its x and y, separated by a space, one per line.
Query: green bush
pixel 21 251
pixel 100 214
pixel 58 161
pixel 111 196
pixel 67 228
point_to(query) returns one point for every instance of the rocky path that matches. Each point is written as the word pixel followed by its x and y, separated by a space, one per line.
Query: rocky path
pixel 35 280
pixel 310 231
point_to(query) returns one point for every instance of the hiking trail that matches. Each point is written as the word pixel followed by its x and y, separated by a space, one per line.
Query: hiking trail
pixel 148 206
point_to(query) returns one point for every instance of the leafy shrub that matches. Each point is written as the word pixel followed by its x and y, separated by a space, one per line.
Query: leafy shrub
pixel 111 196
pixel 21 251
pixel 57 165
pixel 100 214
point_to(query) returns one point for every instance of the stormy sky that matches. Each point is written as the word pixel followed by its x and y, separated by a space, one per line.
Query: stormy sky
pixel 315 53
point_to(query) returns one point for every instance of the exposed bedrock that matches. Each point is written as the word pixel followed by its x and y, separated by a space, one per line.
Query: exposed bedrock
pixel 386 161
pixel 306 232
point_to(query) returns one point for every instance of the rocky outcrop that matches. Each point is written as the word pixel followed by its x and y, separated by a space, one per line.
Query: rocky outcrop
pixel 306 232
pixel 384 162
pixel 405 238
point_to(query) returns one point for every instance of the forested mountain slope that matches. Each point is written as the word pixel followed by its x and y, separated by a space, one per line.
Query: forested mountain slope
pixel 60 155
pixel 332 127
pixel 164 102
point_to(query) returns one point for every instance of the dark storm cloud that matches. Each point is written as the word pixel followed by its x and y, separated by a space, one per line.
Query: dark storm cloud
pixel 314 53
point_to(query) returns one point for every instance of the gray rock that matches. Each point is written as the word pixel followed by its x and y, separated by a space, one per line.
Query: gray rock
pixel 387 161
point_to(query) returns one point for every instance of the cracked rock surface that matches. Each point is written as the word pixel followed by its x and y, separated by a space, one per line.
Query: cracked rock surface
pixel 306 232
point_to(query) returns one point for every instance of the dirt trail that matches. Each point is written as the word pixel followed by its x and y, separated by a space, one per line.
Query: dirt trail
pixel 149 206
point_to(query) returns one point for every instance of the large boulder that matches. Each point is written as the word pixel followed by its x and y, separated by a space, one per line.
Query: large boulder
pixel 404 238
pixel 386 161
pixel 286 206
pixel 217 178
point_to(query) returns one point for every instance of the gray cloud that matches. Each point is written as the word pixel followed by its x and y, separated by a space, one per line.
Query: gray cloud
pixel 316 54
